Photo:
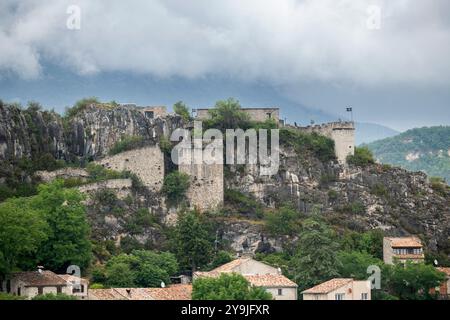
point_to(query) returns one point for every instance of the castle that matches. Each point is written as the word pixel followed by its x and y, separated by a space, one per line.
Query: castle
pixel 206 181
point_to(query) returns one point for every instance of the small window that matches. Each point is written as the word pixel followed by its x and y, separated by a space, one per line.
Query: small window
pixel 280 292
pixel 339 296
pixel 19 291
pixel 364 296
pixel 149 114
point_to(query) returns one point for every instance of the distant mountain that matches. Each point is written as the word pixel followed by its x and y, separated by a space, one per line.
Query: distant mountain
pixel 423 149
pixel 370 132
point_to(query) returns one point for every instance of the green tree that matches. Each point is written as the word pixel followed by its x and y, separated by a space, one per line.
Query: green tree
pixel 362 157
pixel 181 109
pixel 120 275
pixel 315 258
pixel 175 185
pixel 412 281
pixel 227 114
pixel 192 241
pixel 22 230
pixel 284 221
pixel 227 287
pixel 220 258
pixel 68 233
pixel 141 268
pixel 354 264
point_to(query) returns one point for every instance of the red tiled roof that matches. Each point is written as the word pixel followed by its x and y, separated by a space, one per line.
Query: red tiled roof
pixel 172 292
pixel 270 280
pixel 405 242
pixel 36 278
pixel 328 286
pixel 105 294
pixel 445 270
pixel 230 266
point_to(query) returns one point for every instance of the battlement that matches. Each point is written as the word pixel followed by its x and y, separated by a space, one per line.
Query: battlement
pixel 256 114
pixel 341 132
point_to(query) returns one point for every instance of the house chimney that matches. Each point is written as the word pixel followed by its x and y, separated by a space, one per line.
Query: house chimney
pixel 39 269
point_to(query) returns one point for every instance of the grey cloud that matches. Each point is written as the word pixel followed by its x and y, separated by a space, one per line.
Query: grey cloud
pixel 283 42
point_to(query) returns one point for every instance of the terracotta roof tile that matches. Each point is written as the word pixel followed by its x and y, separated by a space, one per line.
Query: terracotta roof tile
pixel 445 270
pixel 105 294
pixel 230 266
pixel 328 286
pixel 406 242
pixel 270 280
pixel 172 292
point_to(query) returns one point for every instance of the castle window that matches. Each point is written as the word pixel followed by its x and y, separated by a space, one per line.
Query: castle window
pixel 149 114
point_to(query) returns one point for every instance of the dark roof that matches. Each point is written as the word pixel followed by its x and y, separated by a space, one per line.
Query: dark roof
pixel 35 278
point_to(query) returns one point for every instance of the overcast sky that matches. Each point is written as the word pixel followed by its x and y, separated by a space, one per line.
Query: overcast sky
pixel 323 54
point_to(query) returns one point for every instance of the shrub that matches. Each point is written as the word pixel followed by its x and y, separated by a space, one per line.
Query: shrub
pixel 321 146
pixel 127 143
pixel 438 184
pixel 80 106
pixel 52 296
pixel 379 190
pixel 363 157
pixel 182 110
pixel 243 204
pixel 175 185
pixel 7 296
pixel 285 221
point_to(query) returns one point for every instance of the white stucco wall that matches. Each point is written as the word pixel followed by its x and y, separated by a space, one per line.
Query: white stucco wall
pixel 287 293
pixel 255 267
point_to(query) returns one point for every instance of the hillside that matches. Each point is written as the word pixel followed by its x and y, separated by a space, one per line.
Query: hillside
pixel 422 149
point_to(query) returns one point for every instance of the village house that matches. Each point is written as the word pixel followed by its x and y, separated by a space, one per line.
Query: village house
pixel 401 250
pixel 32 283
pixel 172 292
pixel 444 289
pixel 339 289
pixel 257 274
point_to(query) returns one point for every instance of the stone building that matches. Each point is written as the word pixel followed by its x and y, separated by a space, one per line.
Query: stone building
pixel 32 283
pixel 255 114
pixel 402 250
pixel 341 132
pixel 257 274
pixel 147 163
pixel 339 289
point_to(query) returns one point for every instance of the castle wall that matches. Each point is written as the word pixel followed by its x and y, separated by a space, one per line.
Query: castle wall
pixel 147 163
pixel 255 114
pixel 206 185
pixel 343 135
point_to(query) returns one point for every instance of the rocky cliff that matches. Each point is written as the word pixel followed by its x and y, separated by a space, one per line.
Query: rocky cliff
pixel 356 198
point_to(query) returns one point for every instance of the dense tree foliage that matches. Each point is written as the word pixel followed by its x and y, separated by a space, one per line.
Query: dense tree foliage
pixel 175 185
pixel 362 157
pixel 429 145
pixel 141 268
pixel 22 231
pixel 68 234
pixel 227 114
pixel 315 259
pixel 285 221
pixel 182 110
pixel 227 287
pixel 192 240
